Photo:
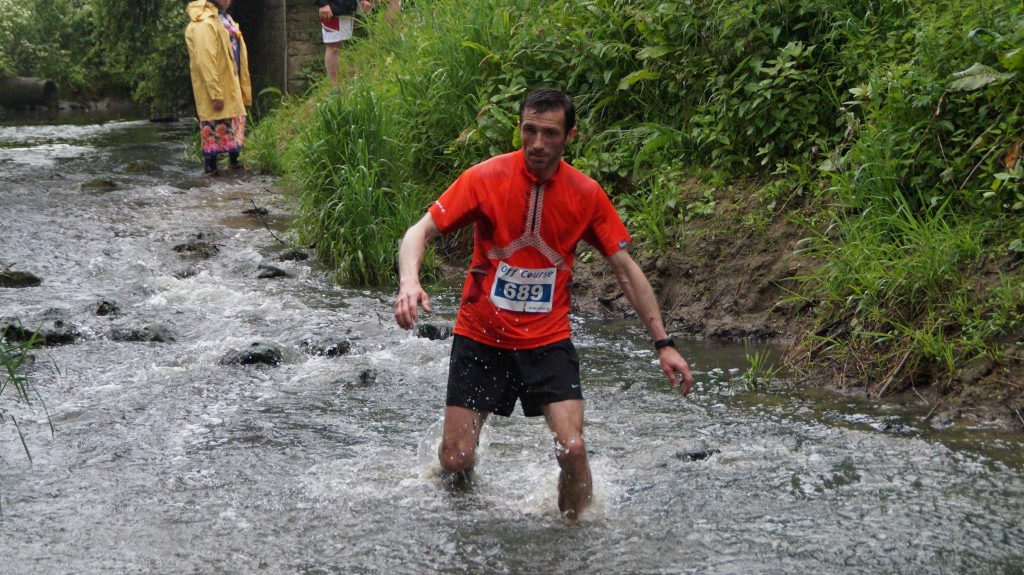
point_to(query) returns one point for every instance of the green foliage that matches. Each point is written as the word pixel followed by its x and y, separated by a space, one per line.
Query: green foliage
pixel 924 193
pixel 761 370
pixel 99 47
pixel 356 202
pixel 142 47
pixel 14 358
pixel 18 32
pixel 653 212
pixel 51 39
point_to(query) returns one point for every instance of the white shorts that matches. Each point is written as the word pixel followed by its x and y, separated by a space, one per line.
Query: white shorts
pixel 337 29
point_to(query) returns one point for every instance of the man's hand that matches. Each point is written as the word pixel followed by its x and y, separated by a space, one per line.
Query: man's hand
pixel 218 105
pixel 325 12
pixel 365 6
pixel 410 297
pixel 677 370
pixel 410 257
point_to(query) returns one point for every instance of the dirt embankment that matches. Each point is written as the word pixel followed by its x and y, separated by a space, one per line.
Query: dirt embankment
pixel 734 281
pixel 727 281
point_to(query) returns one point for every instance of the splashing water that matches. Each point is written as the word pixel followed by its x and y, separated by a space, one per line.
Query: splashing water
pixel 166 460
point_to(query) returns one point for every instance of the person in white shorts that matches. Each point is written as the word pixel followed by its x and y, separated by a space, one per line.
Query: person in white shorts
pixel 337 22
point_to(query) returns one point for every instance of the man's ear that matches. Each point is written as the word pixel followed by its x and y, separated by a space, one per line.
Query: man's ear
pixel 570 135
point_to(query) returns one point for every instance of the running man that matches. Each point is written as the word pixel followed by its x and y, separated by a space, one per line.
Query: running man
pixel 512 340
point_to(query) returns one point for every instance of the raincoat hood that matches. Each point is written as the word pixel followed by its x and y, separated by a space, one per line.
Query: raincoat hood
pixel 200 9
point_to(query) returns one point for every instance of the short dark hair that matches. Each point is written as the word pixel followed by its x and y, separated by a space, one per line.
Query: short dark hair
pixel 546 99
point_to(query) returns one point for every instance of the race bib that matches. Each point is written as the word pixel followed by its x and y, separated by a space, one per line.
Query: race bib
pixel 522 289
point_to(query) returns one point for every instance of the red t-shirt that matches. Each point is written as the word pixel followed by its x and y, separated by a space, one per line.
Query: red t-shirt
pixel 516 294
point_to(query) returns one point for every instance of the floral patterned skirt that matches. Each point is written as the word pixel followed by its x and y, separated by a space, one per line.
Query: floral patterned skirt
pixel 222 136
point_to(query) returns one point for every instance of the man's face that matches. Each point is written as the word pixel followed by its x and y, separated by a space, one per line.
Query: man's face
pixel 224 4
pixel 544 139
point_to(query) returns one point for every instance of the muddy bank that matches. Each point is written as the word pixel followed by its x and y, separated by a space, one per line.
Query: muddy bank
pixel 733 283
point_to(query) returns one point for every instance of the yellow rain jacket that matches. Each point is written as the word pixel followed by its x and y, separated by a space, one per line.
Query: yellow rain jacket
pixel 214 72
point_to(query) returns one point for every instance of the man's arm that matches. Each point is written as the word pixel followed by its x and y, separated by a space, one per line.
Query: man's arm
pixel 410 258
pixel 638 291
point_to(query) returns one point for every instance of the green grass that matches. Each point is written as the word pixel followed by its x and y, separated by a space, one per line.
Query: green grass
pixel 15 358
pixel 761 370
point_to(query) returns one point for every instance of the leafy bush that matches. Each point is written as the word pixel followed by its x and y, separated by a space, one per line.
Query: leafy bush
pixel 141 47
pixel 51 39
pixel 99 47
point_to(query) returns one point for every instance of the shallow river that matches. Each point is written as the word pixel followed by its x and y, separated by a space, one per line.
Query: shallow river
pixel 165 460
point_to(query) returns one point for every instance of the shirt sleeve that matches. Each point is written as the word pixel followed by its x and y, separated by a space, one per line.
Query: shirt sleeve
pixel 606 232
pixel 458 206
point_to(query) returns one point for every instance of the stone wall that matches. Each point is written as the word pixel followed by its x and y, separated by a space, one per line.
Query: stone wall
pixel 305 47
pixel 284 42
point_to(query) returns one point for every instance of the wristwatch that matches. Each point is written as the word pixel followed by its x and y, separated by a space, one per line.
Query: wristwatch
pixel 667 342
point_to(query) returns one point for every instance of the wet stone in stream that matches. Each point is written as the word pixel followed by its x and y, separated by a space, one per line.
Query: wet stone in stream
pixel 257 352
pixel 16 279
pixel 197 248
pixel 142 167
pixel 265 271
pixel 696 455
pixel 256 211
pixel 52 329
pixel 433 331
pixel 187 272
pixel 293 254
pixel 327 348
pixel 98 185
pixel 367 377
pixel 107 307
pixel 151 333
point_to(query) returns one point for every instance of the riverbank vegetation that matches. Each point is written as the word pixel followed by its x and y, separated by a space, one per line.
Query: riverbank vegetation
pixel 15 358
pixel 99 48
pixel 886 133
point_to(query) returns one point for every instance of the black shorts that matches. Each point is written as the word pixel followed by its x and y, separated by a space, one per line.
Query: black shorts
pixel 491 379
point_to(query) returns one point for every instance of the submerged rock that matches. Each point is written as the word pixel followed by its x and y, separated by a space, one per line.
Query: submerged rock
pixel 98 185
pixel 187 272
pixel 327 349
pixel 293 254
pixel 265 271
pixel 54 329
pixel 434 332
pixel 696 455
pixel 142 167
pixel 152 333
pixel 256 211
pixel 15 279
pixel 107 307
pixel 197 248
pixel 367 377
pixel 256 353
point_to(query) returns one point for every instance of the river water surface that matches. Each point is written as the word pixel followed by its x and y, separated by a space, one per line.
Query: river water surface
pixel 165 460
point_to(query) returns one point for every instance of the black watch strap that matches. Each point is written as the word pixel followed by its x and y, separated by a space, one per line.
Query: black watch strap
pixel 667 342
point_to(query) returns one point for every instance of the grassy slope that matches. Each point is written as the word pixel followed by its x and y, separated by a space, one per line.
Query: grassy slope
pixel 842 138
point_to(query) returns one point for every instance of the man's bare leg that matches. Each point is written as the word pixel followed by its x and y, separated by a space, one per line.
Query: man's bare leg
pixel 331 55
pixel 459 438
pixel 575 485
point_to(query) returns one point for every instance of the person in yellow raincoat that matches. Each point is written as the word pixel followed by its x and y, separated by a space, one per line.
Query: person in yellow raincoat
pixel 219 65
